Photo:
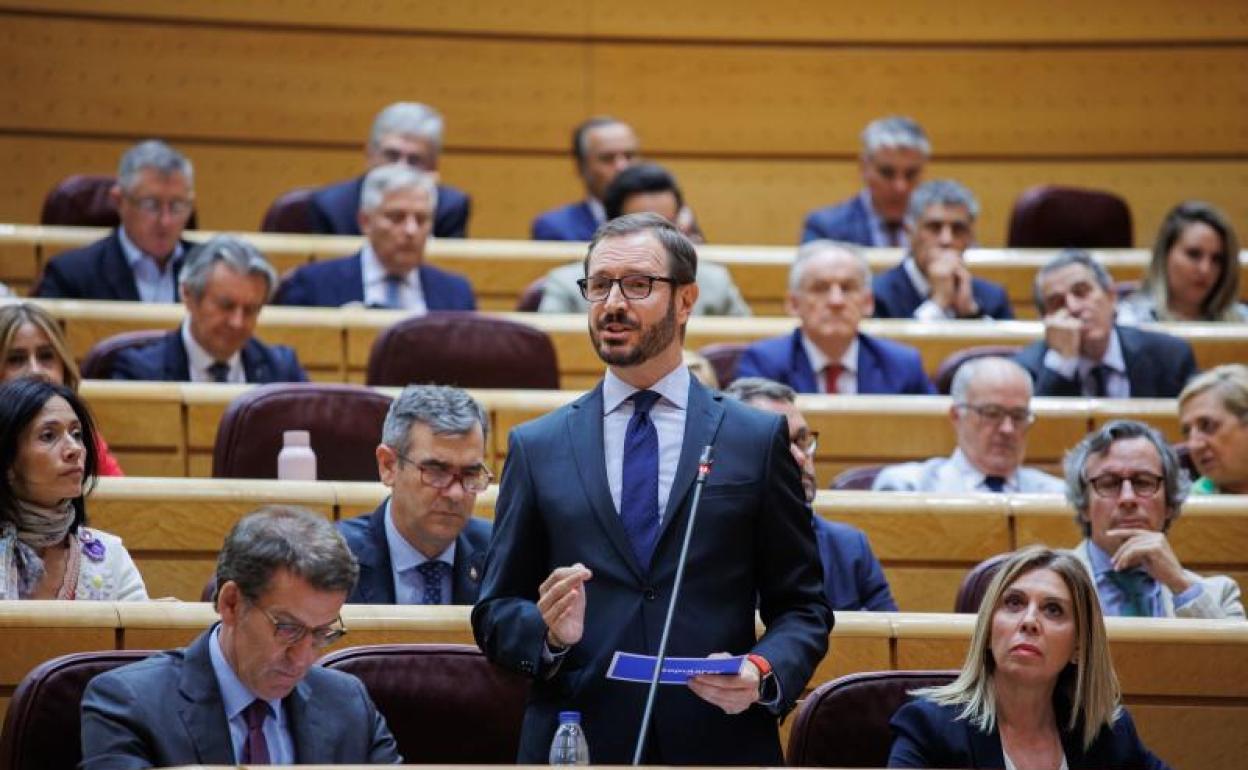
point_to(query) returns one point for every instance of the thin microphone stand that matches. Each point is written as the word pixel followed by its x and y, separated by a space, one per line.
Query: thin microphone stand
pixel 704 470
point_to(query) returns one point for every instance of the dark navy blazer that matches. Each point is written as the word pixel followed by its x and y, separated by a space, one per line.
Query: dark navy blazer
pixel 335 210
pixel 930 735
pixel 96 271
pixel 895 296
pixel 849 221
pixel 573 222
pixel 852 576
pixel 1158 365
pixel 366 537
pixel 337 282
pixel 165 360
pixel 884 367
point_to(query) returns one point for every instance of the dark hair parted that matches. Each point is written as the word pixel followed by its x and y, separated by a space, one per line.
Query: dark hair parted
pixel 682 257
pixel 635 180
pixel 21 401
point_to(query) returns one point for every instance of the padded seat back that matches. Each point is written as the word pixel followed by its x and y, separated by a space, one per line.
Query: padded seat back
pixel 344 422
pixel 1054 217
pixel 860 478
pixel 844 723
pixel 98 363
pixel 444 703
pixel 464 349
pixel 949 367
pixel 42 728
pixel 723 357
pixel 975 583
pixel 82 200
pixel 531 298
pixel 290 213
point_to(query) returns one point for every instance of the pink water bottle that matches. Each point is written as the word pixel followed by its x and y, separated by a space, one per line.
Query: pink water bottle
pixel 296 461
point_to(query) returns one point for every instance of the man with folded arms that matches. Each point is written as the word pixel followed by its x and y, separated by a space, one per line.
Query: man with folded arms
pixel 991 414
pixel 247 691
pixel 1127 488
pixel 422 544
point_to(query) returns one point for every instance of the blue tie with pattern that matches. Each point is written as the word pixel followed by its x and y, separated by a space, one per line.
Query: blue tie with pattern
pixel 433 571
pixel 639 495
pixel 394 284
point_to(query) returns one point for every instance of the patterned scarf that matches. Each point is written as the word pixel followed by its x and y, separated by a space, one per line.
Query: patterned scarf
pixel 32 528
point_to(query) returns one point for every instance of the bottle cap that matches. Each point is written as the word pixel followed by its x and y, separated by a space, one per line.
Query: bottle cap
pixel 296 438
pixel 569 716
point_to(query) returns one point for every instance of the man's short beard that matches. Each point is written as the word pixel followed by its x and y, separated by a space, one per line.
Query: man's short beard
pixel 653 341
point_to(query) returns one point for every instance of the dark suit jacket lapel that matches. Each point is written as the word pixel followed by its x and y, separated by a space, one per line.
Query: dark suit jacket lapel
pixel 870 374
pixel 585 436
pixel 376 569
pixel 1139 368
pixel 255 363
pixel 202 710
pixel 177 364
pixel 800 370
pixel 862 223
pixel 117 270
pixel 702 417
pixel 985 747
pixel 466 572
pixel 311 729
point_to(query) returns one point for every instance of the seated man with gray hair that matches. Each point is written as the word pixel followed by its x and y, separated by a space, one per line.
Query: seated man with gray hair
pixel 852 577
pixel 422 544
pixel 140 260
pixel 403 132
pixel 224 283
pixel 933 282
pixel 830 293
pixel 991 414
pixel 389 271
pixel 1127 488
pixel 246 691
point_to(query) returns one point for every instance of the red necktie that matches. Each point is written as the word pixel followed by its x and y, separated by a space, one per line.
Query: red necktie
pixel 831 373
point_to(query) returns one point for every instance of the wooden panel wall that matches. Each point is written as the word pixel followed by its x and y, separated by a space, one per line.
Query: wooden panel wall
pixel 756 108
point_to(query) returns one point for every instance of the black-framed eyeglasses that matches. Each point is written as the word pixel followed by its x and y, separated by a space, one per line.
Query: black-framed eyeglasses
pixel 1144 484
pixel 996 414
pixel 475 479
pixel 179 207
pixel 289 632
pixel 598 287
pixel 807 442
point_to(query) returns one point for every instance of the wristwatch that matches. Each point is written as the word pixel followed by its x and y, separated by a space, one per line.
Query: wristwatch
pixel 765 674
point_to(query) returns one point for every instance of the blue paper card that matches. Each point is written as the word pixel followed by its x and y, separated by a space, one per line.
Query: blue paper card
pixel 630 667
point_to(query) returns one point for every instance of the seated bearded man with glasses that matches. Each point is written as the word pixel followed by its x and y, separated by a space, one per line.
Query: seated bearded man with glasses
pixel 1127 488
pixel 246 691
pixel 422 545
pixel 991 414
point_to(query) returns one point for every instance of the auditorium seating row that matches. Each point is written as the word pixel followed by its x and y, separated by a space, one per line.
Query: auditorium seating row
pixel 500 271
pixel 926 543
pixel 169 429
pixel 1174 673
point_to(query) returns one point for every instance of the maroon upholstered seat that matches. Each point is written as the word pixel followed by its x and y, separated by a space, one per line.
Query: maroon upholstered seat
pixel 290 213
pixel 98 363
pixel 723 357
pixel 344 420
pixel 949 367
pixel 82 200
pixel 463 349
pixel 42 726
pixel 1049 216
pixel 531 297
pixel 444 703
pixel 975 583
pixel 861 477
pixel 844 723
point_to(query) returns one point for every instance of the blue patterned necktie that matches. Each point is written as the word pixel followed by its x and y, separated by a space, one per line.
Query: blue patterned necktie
pixel 393 298
pixel 433 571
pixel 1133 585
pixel 219 371
pixel 639 495
pixel 255 747
pixel 995 483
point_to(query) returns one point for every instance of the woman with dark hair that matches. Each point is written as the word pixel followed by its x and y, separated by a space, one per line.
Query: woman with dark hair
pixel 31 345
pixel 48 460
pixel 1038 688
pixel 1194 272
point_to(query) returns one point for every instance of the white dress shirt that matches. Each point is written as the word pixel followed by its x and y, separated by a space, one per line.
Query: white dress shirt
pixel 668 415
pixel 411 295
pixel 155 284
pixel 237 697
pixel 847 380
pixel 1117 385
pixel 956 474
pixel 409 584
pixel 198 360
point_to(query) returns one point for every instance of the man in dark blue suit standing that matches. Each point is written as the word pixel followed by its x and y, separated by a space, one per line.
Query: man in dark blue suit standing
pixel 852 576
pixel 404 132
pixel 396 214
pixel 140 260
pixel 933 282
pixel 602 147
pixel 422 544
pixel 894 151
pixel 590 520
pixel 224 286
pixel 830 292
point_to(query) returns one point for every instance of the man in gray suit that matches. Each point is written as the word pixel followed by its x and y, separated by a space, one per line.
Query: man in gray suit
pixel 246 691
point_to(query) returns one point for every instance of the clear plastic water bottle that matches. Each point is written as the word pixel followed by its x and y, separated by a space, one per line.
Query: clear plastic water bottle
pixel 569 746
